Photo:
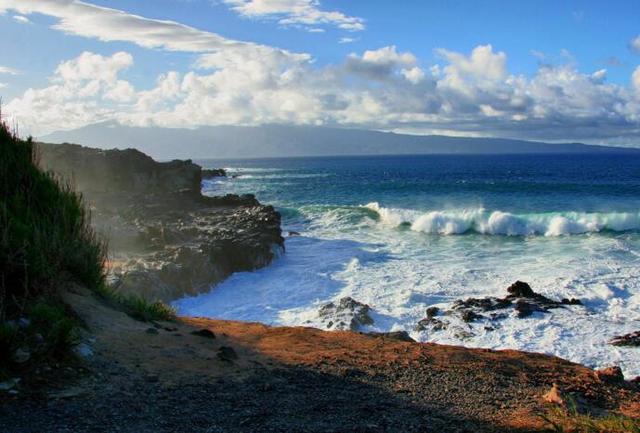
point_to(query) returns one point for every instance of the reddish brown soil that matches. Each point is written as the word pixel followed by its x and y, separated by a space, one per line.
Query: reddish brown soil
pixel 299 379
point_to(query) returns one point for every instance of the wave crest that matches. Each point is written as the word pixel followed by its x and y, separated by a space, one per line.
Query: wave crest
pixel 450 222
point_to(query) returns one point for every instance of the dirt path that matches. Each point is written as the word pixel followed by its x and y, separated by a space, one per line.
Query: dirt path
pixel 253 378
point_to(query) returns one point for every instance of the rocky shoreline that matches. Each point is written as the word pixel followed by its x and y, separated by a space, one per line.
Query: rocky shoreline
pixel 166 240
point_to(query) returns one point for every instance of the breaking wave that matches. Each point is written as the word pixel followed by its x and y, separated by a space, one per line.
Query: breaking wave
pixel 482 221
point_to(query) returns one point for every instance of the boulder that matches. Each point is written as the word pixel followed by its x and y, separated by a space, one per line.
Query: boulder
pixel 346 314
pixel 520 289
pixel 632 339
pixel 213 172
pixel 611 375
pixel 394 335
pixel 520 298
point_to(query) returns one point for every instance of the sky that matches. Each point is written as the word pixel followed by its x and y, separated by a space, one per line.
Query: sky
pixel 541 70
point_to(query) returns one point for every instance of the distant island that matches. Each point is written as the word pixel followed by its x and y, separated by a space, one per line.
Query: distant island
pixel 228 142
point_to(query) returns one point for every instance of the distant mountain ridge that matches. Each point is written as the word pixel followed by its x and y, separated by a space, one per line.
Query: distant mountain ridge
pixel 228 142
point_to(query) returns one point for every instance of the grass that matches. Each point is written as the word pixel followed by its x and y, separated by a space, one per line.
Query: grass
pixel 46 241
pixel 48 334
pixel 569 420
pixel 45 235
pixel 136 306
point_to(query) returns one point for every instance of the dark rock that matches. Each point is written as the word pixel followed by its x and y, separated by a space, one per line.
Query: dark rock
pixel 432 312
pixel 520 297
pixel 431 324
pixel 153 331
pixel 470 316
pixel 611 375
pixel 206 333
pixel 293 233
pixel 572 301
pixel 632 339
pixel 521 289
pixel 395 335
pixel 115 170
pixel 347 314
pixel 526 309
pixel 167 238
pixel 227 354
pixel 482 304
pixel 208 173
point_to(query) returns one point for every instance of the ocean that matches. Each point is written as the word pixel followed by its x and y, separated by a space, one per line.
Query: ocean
pixel 403 233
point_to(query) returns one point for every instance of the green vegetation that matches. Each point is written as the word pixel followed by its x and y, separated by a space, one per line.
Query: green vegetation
pixel 45 236
pixel 569 420
pixel 137 307
pixel 46 241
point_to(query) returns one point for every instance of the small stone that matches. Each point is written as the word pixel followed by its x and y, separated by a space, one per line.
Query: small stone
pixel 152 331
pixel 67 393
pixel 572 301
pixel 9 384
pixel 611 375
pixel 84 350
pixel 206 333
pixel 470 316
pixel 227 354
pixel 432 312
pixel 554 396
pixel 21 355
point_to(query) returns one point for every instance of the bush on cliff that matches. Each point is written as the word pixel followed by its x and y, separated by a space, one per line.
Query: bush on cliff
pixel 45 236
pixel 45 241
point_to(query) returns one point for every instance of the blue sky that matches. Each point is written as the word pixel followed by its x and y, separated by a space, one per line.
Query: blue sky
pixel 544 70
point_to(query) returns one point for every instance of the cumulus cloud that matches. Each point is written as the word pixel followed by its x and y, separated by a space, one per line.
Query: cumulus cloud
pixel 21 19
pixel 380 64
pixel 302 13
pixel 78 93
pixel 84 19
pixel 635 79
pixel 635 44
pixel 241 83
pixel 346 40
pixel 8 71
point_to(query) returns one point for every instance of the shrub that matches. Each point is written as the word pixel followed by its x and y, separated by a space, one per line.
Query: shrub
pixel 45 236
pixel 569 420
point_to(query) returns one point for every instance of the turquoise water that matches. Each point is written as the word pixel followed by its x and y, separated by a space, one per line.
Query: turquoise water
pixel 405 233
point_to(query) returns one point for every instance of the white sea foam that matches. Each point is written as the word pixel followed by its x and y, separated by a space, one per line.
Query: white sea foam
pixel 450 222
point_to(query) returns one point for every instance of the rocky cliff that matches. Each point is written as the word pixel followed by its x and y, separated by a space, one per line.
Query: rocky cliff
pixel 119 171
pixel 165 238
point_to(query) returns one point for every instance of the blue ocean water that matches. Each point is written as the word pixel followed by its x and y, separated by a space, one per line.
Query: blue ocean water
pixel 402 233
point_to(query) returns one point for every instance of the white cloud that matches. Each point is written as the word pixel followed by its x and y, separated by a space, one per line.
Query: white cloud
pixel 248 84
pixel 8 71
pixel 635 79
pixel 21 19
pixel 414 75
pixel 84 19
pixel 302 13
pixel 635 44
pixel 76 94
pixel 3 85
pixel 346 40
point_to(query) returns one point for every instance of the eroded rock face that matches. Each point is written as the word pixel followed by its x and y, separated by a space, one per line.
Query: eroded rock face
pixel 521 300
pixel 165 239
pixel 168 254
pixel 118 171
pixel 346 314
